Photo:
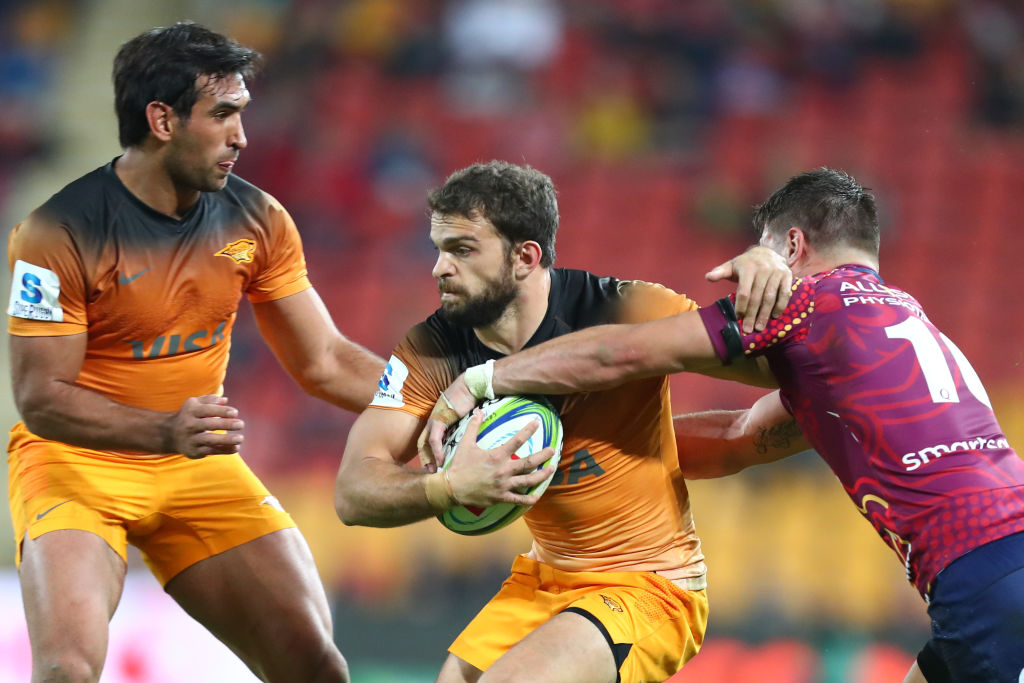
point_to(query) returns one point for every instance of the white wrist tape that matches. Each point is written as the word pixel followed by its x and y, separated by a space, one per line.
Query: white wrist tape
pixel 480 380
pixel 447 402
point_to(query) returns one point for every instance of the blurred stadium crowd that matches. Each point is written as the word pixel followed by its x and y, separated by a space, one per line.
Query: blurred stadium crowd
pixel 661 123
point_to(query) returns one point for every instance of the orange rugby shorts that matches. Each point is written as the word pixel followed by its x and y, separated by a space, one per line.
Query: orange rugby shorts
pixel 664 623
pixel 177 511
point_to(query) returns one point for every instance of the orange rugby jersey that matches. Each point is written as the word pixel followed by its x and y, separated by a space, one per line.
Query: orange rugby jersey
pixel 618 501
pixel 156 296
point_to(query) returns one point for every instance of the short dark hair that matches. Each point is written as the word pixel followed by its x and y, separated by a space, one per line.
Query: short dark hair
pixel 163 65
pixel 519 200
pixel 830 206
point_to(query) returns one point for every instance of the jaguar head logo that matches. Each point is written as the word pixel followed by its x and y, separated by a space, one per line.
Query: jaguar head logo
pixel 610 604
pixel 240 250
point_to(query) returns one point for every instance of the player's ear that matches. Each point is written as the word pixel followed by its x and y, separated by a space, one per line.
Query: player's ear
pixel 796 245
pixel 162 120
pixel 528 255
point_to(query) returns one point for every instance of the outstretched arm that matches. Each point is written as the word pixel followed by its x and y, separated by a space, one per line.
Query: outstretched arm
pixel 721 442
pixel 593 359
pixel 605 356
pixel 324 362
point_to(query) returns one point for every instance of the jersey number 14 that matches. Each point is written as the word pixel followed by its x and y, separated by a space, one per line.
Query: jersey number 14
pixel 928 347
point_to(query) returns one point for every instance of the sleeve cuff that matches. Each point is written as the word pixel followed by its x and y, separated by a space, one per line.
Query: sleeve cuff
pixel 723 329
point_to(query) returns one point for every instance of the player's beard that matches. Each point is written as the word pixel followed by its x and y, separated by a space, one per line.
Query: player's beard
pixel 484 309
pixel 185 172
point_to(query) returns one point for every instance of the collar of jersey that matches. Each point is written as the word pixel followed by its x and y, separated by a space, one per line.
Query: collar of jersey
pixel 850 266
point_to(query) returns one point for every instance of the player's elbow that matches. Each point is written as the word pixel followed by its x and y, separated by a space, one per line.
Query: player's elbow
pixel 349 387
pixel 38 424
pixel 346 513
pixel 313 378
pixel 344 508
pixel 348 508
pixel 319 382
pixel 37 411
pixel 353 515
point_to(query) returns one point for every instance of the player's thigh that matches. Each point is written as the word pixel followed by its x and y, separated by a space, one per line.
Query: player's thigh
pixel 457 670
pixel 208 506
pixel 569 648
pixel 71 582
pixel 263 598
pixel 647 625
pixel 977 611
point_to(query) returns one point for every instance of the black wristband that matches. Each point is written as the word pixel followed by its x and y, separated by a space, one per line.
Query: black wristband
pixel 731 330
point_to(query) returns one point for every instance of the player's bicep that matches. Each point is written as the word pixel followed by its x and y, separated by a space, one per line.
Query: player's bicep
pixel 295 327
pixel 39 364
pixel 384 435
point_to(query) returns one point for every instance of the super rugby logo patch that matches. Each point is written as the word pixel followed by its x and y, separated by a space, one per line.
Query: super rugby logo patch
pixel 35 293
pixel 240 250
pixel 389 388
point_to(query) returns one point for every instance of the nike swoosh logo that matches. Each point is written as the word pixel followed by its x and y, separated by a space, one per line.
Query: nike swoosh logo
pixel 128 280
pixel 273 502
pixel 46 512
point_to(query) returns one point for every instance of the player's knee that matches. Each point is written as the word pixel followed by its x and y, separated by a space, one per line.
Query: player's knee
pixel 339 670
pixel 66 668
pixel 311 662
pixel 333 667
pixel 330 669
pixel 457 670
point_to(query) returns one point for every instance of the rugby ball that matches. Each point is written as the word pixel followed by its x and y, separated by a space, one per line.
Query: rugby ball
pixel 503 418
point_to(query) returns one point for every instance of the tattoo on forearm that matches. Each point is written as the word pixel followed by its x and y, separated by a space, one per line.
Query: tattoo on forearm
pixel 776 436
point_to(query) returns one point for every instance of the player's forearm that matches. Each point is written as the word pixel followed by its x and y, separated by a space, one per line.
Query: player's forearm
pixel 593 359
pixel 81 417
pixel 347 377
pixel 322 360
pixel 722 442
pixel 378 493
pixel 707 443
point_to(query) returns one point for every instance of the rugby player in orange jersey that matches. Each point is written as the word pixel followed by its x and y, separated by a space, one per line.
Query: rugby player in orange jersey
pixel 126 287
pixel 614 584
pixel 883 396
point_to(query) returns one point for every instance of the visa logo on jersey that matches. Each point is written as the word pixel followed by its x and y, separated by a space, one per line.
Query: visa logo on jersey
pixel 35 293
pixel 168 345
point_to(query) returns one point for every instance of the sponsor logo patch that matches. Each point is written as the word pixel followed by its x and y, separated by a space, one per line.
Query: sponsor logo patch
pixel 389 388
pixel 240 250
pixel 35 293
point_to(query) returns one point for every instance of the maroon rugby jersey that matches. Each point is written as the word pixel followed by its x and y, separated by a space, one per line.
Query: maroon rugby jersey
pixel 897 412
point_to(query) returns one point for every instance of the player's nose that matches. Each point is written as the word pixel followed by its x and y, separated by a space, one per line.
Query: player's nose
pixel 238 139
pixel 443 266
